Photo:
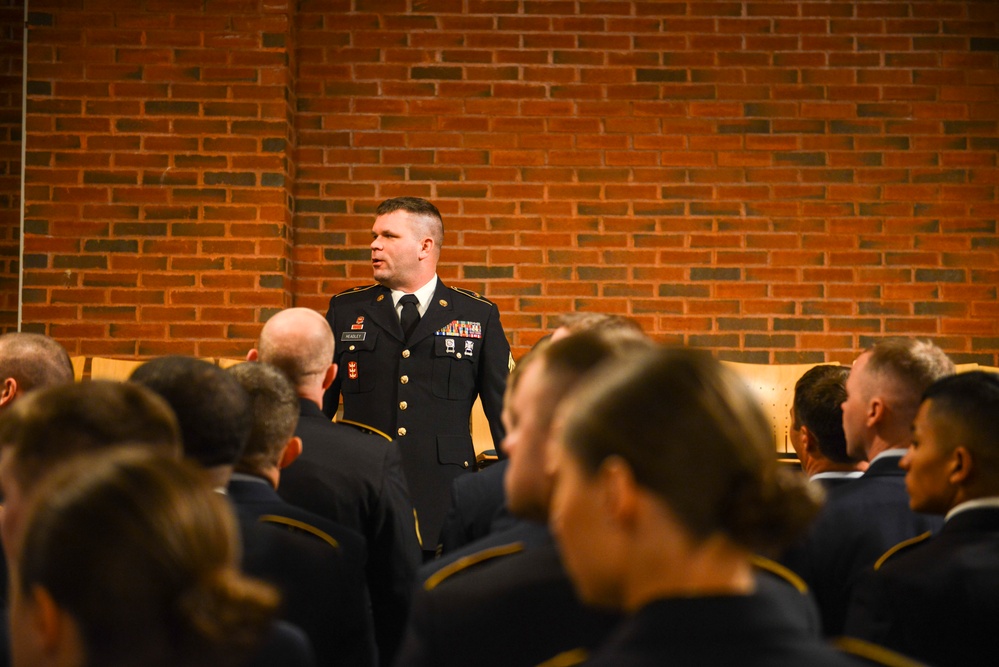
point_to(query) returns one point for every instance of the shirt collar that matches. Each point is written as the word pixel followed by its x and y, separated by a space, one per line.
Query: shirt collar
pixel 977 503
pixel 895 453
pixel 837 474
pixel 424 294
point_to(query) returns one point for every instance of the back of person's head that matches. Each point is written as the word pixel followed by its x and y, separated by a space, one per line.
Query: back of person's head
pixel 274 406
pixel 565 362
pixel 300 343
pixel 570 323
pixel 818 400
pixel 693 435
pixel 51 425
pixel 550 373
pixel 966 409
pixel 142 554
pixel 903 368
pixel 422 213
pixel 33 361
pixel 211 407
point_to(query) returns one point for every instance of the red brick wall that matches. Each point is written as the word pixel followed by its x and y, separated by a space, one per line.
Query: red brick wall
pixel 11 65
pixel 778 181
pixel 158 212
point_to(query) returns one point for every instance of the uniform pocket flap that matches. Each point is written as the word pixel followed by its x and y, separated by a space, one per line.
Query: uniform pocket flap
pixel 455 450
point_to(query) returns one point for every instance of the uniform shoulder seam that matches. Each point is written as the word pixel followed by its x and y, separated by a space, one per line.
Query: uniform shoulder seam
pixel 300 525
pixel 355 290
pixel 364 427
pixel 780 571
pixel 473 295
pixel 434 580
pixel 576 656
pixel 901 546
pixel 873 653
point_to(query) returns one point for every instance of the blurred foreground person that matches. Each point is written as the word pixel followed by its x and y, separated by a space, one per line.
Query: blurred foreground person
pixel 128 557
pixel 666 484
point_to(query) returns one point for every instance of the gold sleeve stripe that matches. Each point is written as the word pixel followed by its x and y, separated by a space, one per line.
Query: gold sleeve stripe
pixel 779 570
pixel 576 656
pixel 874 653
pixel 301 525
pixel 898 547
pixel 434 580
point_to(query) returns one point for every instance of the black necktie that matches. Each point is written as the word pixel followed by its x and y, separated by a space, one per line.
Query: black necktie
pixel 410 314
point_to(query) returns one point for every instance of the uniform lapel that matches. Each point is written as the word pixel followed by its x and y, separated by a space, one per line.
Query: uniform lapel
pixel 438 313
pixel 382 312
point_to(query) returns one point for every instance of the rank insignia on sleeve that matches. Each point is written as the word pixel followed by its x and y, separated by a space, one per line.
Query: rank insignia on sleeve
pixel 462 329
pixel 352 370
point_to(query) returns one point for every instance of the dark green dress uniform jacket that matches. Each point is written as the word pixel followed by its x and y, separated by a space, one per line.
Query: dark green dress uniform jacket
pixel 420 392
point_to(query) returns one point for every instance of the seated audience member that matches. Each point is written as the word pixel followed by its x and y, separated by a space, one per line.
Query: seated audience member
pixel 345 474
pixel 864 518
pixel 817 427
pixel 478 503
pixel 52 426
pixel 937 599
pixel 127 558
pixel 517 591
pixel 666 483
pixel 272 445
pixel 570 323
pixel 30 361
pixel 321 588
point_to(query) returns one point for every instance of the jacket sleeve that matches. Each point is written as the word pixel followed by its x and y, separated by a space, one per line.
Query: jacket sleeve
pixel 494 368
pixel 395 555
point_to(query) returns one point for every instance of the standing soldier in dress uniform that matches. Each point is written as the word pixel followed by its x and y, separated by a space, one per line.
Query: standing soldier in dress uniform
pixel 413 354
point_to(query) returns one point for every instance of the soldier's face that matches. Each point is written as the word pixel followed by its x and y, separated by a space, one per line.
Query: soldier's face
pixel 928 464
pixel 856 408
pixel 526 417
pixel 397 250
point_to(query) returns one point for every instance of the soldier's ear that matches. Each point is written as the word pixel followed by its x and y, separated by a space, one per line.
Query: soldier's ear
pixel 808 441
pixel 329 377
pixel 253 355
pixel 962 466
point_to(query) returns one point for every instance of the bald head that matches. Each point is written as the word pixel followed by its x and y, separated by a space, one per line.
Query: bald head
pixel 300 343
pixel 31 361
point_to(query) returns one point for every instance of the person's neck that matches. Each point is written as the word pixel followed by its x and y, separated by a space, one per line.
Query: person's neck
pixel 814 466
pixel 414 285
pixel 312 393
pixel 714 567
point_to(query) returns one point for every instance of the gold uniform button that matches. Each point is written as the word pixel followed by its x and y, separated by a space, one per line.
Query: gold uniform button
pixel 404 379
pixel 405 354
pixel 352 348
pixel 403 405
pixel 458 355
pixel 466 462
pixel 402 431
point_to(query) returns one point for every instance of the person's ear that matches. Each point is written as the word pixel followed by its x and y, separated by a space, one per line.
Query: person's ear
pixel 619 490
pixel 875 411
pixel 7 391
pixel 961 466
pixel 253 355
pixel 47 619
pixel 292 450
pixel 809 443
pixel 329 377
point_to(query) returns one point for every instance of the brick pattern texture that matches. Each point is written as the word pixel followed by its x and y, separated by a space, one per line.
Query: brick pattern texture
pixel 11 84
pixel 779 181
